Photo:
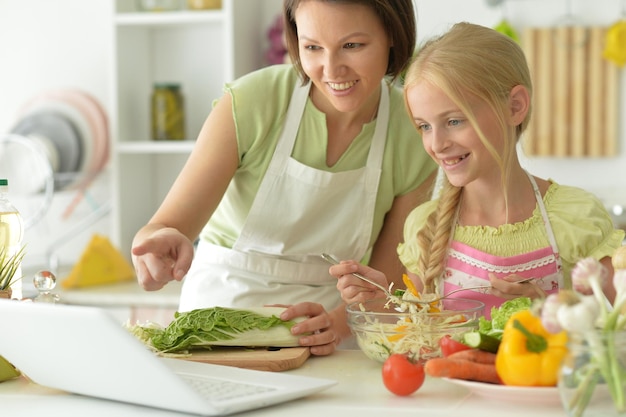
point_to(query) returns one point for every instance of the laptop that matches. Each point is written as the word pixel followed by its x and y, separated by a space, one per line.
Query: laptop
pixel 84 350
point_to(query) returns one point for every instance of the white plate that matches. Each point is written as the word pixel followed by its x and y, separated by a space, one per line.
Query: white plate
pixel 92 110
pixel 59 131
pixel 42 104
pixel 508 393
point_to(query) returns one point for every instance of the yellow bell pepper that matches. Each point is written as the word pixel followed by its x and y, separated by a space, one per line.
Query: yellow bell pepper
pixel 410 286
pixel 528 354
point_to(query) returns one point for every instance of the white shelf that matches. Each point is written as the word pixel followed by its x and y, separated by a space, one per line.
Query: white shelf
pixel 169 18
pixel 170 147
pixel 201 50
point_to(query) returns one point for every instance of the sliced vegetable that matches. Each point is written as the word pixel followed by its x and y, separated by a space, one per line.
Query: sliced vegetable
pixel 529 355
pixel 219 326
pixel 449 345
pixel 482 341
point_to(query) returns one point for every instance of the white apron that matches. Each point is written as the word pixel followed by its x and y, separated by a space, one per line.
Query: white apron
pixel 298 213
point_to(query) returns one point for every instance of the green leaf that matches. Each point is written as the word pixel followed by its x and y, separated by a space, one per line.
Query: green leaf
pixel 220 326
pixel 9 266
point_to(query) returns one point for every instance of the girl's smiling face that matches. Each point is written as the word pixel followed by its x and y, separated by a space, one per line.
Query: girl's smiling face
pixel 449 136
pixel 344 49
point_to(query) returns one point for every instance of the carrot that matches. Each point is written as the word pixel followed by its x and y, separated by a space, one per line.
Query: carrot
pixel 462 369
pixel 475 355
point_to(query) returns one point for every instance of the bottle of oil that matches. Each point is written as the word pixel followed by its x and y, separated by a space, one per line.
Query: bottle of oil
pixel 11 233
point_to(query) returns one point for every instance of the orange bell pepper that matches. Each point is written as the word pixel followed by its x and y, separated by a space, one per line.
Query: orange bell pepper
pixel 528 354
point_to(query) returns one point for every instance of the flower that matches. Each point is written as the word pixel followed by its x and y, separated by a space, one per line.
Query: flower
pixel 277 51
pixel 588 276
pixel 615 43
pixel 590 318
pixel 580 316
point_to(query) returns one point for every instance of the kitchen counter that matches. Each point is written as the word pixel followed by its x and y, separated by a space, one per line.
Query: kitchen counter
pixel 126 300
pixel 122 295
pixel 359 391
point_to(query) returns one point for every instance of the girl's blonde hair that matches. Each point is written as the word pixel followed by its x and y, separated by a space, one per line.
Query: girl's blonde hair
pixel 468 61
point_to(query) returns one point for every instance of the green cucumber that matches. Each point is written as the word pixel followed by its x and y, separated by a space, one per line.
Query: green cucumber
pixel 482 341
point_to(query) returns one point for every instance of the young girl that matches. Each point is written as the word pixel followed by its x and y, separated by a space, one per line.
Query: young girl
pixel 469 94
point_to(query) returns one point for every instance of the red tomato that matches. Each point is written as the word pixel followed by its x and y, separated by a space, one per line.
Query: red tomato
pixel 448 345
pixel 401 375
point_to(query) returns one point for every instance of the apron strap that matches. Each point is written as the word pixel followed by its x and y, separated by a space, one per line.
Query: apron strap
pixel 377 151
pixel 292 119
pixel 546 220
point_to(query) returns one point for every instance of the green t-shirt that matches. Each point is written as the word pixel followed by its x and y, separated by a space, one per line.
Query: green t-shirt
pixel 581 225
pixel 260 103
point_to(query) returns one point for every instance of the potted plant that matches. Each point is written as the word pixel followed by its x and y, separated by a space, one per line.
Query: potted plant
pixel 9 266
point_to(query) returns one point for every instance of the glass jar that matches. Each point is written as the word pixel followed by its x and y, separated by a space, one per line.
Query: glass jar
pixel 157 5
pixel 168 112
pixel 204 4
pixel 592 380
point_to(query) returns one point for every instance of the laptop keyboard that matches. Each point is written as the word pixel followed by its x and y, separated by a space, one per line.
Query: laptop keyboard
pixel 221 390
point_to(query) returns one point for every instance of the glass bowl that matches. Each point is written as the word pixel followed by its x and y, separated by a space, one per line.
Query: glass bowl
pixel 380 330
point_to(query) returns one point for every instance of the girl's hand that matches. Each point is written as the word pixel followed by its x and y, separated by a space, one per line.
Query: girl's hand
pixel 508 287
pixel 353 289
pixel 164 256
pixel 320 331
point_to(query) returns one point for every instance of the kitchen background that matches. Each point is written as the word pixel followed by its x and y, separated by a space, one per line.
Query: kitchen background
pixel 70 44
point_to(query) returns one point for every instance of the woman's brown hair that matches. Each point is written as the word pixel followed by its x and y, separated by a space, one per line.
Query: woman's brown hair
pixel 397 16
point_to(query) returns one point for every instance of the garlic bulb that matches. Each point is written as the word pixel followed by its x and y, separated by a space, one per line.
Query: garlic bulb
pixel 619 258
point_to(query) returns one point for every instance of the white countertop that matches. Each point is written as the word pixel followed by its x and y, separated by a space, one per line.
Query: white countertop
pixel 359 391
pixel 122 295
pixel 125 294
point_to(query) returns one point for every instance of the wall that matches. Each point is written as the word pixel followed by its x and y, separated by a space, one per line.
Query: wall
pixel 604 176
pixel 48 45
pixel 63 43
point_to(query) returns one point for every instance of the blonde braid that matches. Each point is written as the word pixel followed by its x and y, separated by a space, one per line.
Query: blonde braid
pixel 434 237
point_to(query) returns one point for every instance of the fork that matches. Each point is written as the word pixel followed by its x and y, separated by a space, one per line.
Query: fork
pixel 331 260
pixel 476 287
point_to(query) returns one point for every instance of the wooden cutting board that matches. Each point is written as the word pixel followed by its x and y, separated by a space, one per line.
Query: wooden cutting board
pixel 263 359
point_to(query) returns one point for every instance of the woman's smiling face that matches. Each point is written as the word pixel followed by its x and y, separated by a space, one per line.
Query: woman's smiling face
pixel 344 49
pixel 450 138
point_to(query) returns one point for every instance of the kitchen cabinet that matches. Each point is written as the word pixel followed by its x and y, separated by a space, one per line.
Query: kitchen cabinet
pixel 198 49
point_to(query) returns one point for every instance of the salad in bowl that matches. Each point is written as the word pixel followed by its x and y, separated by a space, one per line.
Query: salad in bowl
pixel 383 327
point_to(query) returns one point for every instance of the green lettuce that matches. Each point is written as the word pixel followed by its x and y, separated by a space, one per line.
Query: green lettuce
pixel 218 326
pixel 500 315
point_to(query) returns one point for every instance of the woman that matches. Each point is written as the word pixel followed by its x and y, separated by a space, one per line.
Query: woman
pixel 296 160
pixel 494 224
